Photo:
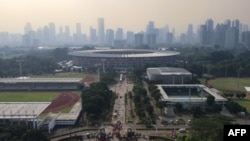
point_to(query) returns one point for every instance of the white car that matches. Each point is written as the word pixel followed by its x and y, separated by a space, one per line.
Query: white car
pixel 182 130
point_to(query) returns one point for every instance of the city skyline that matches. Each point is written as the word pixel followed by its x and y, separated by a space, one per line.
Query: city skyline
pixel 129 15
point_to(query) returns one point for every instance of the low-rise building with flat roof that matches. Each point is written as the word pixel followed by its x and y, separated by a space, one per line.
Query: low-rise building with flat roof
pixel 169 75
pixel 188 95
pixel 39 84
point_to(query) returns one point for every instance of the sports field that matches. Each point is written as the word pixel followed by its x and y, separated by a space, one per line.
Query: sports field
pixel 230 84
pixel 28 96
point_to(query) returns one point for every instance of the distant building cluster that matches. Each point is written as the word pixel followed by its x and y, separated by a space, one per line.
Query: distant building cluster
pixel 229 34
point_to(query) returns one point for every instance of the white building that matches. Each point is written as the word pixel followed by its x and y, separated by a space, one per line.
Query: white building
pixel 169 75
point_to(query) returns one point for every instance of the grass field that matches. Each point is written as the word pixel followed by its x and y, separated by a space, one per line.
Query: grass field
pixel 243 102
pixel 230 84
pixel 27 96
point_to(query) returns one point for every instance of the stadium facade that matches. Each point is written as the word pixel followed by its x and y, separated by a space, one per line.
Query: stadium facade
pixel 121 59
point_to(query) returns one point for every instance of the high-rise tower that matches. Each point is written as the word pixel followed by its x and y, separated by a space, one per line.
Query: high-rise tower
pixel 101 28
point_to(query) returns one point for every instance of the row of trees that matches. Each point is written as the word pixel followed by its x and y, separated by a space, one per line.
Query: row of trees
pixel 219 63
pixel 143 108
pixel 28 65
pixel 20 133
pixel 97 101
pixel 156 94
pixel 33 62
pixel 207 128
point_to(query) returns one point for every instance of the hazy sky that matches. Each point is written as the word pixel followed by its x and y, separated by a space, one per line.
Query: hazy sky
pixel 128 14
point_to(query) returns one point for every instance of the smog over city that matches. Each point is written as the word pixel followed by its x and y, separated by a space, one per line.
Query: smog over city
pixel 81 16
pixel 116 70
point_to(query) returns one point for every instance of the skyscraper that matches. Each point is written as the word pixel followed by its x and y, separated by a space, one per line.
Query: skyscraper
pixel 78 29
pixel 27 28
pixel 150 28
pixel 210 31
pixel 52 33
pixel 220 34
pixel 109 36
pixel 190 34
pixel 246 38
pixel 67 34
pixel 203 35
pixel 130 37
pixel 78 37
pixel 92 35
pixel 119 34
pixel 46 35
pixel 101 33
pixel 138 39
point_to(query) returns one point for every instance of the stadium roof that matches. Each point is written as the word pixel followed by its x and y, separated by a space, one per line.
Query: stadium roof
pixel 22 110
pixel 39 80
pixel 212 92
pixel 123 53
pixel 168 71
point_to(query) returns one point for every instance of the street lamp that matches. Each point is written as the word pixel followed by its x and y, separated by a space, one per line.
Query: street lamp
pixel 238 78
pixel 98 70
pixel 20 66
pixel 103 67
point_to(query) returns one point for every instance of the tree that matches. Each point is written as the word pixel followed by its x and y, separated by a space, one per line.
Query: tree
pixel 234 107
pixel 197 112
pixel 200 128
pixel 97 100
pixel 34 135
pixel 179 107
pixel 60 54
pixel 210 100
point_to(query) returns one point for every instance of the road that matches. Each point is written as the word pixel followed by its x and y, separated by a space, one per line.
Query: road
pixel 118 122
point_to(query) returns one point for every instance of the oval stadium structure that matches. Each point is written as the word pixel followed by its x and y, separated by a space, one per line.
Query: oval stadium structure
pixel 121 59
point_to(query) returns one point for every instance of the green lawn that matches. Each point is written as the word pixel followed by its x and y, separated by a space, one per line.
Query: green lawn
pixel 27 96
pixel 230 84
pixel 243 102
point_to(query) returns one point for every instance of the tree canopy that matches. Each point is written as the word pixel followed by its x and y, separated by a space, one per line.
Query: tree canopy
pixel 209 128
pixel 97 100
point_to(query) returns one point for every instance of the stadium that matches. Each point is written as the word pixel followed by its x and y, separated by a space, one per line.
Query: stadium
pixel 121 59
pixel 188 95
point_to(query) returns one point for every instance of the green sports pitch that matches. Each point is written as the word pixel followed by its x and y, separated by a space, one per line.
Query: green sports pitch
pixel 28 96
pixel 230 84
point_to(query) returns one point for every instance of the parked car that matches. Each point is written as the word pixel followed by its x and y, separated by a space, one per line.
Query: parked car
pixel 182 130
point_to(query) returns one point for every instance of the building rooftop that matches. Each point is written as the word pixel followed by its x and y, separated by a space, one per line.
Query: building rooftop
pixel 168 71
pixel 22 110
pixel 123 53
pixel 37 80
pixel 247 89
pixel 180 98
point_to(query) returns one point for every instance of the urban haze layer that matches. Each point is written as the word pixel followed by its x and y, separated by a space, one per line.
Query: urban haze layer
pixel 230 34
